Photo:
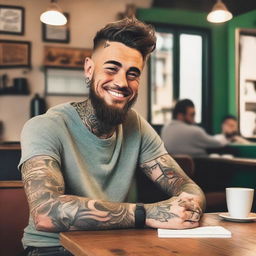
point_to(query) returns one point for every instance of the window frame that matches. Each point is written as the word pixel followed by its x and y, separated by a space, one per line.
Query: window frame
pixel 177 30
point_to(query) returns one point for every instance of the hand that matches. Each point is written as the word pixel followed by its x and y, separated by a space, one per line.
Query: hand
pixel 176 213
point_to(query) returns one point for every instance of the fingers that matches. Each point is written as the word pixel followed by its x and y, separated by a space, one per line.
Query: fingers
pixel 190 224
pixel 192 216
pixel 187 204
pixel 190 210
pixel 190 206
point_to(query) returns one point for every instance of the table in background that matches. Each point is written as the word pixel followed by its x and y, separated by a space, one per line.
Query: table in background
pixel 145 242
pixel 216 174
pixel 10 154
pixel 219 173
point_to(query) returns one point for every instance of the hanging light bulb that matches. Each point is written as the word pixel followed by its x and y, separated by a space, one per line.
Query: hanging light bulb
pixel 53 16
pixel 219 13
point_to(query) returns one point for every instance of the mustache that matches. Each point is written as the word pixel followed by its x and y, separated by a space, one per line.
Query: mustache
pixel 124 90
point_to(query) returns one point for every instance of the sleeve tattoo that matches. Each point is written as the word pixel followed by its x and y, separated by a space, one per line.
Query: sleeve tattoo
pixel 53 211
pixel 167 174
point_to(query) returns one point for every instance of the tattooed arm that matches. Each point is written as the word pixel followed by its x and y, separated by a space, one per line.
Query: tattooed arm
pixel 55 212
pixel 184 208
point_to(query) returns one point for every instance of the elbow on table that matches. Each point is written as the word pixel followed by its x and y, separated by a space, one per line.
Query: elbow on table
pixel 46 223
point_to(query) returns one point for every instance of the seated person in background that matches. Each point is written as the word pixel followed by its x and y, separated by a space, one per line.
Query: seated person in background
pixel 229 131
pixel 78 159
pixel 182 136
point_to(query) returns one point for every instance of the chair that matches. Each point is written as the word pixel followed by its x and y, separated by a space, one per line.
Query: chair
pixel 186 163
pixel 14 214
pixel 216 201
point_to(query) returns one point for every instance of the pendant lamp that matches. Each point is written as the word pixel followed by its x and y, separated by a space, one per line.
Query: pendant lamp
pixel 53 15
pixel 219 13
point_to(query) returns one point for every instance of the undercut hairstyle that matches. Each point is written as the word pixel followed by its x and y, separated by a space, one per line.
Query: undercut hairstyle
pixel 227 117
pixel 129 31
pixel 181 107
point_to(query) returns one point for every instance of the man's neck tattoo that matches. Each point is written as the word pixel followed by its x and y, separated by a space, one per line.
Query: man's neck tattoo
pixel 88 116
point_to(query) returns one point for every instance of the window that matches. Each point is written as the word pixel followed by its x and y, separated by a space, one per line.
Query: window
pixel 162 79
pixel 247 83
pixel 190 74
pixel 178 70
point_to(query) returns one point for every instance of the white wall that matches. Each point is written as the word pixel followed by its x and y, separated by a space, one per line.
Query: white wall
pixel 86 17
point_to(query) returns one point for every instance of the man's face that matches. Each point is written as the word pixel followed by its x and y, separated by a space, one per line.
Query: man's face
pixel 229 127
pixel 189 117
pixel 116 76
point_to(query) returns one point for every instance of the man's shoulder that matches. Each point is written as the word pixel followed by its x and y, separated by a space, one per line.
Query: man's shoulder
pixel 197 129
pixel 132 116
pixel 176 124
pixel 190 128
pixel 60 109
pixel 52 118
pixel 132 113
pixel 136 123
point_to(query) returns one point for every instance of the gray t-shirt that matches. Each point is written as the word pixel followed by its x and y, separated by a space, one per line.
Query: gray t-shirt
pixel 182 138
pixel 91 167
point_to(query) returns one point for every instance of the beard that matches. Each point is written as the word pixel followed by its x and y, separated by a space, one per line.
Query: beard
pixel 110 115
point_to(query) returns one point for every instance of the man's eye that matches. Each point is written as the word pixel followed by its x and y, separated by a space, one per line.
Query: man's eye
pixel 111 69
pixel 132 75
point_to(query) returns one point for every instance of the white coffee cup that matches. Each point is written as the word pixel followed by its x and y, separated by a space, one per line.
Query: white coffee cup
pixel 239 201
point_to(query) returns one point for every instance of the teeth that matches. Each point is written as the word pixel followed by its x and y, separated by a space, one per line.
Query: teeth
pixel 116 94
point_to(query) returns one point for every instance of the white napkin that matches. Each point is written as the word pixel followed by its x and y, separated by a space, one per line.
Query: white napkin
pixel 210 231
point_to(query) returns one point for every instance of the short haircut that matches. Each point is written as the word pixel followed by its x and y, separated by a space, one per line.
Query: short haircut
pixel 225 118
pixel 181 107
pixel 129 31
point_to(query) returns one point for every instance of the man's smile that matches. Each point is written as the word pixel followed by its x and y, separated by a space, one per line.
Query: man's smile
pixel 116 94
pixel 120 93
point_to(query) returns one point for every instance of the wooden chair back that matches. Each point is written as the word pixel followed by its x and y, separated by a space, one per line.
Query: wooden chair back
pixel 186 163
pixel 14 214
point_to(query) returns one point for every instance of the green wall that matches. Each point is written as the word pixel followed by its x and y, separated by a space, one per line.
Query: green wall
pixel 247 20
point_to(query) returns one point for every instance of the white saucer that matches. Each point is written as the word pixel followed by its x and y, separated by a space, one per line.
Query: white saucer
pixel 226 216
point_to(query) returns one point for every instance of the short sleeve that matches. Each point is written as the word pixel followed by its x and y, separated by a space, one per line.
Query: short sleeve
pixel 39 136
pixel 151 144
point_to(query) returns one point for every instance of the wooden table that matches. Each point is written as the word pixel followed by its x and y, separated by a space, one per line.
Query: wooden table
pixel 10 146
pixel 145 242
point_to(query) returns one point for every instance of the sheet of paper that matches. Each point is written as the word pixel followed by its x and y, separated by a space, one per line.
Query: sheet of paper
pixel 209 231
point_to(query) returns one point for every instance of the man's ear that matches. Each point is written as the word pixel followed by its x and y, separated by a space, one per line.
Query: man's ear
pixel 88 67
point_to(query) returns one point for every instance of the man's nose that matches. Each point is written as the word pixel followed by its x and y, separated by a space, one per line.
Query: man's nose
pixel 121 80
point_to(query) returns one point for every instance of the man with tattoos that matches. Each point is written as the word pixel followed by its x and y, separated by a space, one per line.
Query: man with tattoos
pixel 79 158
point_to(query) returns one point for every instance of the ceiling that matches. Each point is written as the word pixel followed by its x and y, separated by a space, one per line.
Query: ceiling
pixel 236 7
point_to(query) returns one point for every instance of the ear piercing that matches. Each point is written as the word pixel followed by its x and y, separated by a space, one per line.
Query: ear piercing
pixel 87 82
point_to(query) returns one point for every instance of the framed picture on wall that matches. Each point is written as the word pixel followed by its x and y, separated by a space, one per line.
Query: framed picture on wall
pixel 65 57
pixel 56 34
pixel 65 82
pixel 12 20
pixel 15 54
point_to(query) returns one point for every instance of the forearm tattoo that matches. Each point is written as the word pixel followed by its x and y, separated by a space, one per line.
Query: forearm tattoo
pixel 165 172
pixel 54 211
